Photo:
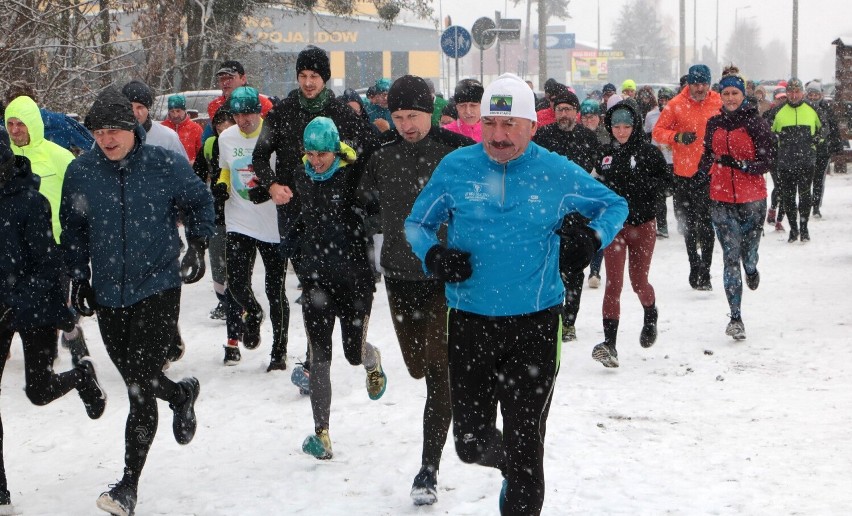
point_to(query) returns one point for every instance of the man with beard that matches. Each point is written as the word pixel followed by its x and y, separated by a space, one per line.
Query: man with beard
pixel 580 145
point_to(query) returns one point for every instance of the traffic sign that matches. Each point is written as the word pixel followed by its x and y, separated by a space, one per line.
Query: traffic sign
pixel 556 41
pixel 483 33
pixel 456 41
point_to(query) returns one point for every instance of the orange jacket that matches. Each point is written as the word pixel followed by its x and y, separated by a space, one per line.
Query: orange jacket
pixel 189 133
pixel 684 115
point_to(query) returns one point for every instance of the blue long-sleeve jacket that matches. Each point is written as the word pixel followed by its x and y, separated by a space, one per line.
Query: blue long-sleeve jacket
pixel 122 216
pixel 506 216
pixel 66 132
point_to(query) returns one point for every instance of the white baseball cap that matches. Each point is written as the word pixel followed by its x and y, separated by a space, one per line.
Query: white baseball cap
pixel 509 95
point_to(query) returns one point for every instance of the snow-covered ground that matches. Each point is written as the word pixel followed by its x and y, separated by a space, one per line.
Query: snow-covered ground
pixel 697 424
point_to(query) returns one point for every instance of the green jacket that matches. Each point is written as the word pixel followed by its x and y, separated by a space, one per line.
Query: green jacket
pixel 47 159
pixel 799 130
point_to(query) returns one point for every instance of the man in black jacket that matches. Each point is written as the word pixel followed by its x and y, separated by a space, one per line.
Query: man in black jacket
pixel 831 144
pixel 394 176
pixel 282 134
pixel 580 145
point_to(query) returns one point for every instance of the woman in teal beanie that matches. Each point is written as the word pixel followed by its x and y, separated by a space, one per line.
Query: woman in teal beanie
pixel 337 278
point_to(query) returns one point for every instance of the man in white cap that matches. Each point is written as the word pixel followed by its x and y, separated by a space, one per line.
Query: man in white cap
pixel 505 301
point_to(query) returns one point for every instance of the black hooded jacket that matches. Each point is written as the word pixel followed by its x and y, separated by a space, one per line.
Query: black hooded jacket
pixel 30 263
pixel 635 170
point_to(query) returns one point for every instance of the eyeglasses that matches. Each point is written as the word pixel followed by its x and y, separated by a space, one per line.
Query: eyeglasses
pixel 565 109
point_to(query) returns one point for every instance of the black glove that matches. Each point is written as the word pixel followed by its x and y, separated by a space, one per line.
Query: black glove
pixel 82 297
pixel 685 138
pixel 192 266
pixel 5 315
pixel 449 265
pixel 577 248
pixel 220 192
pixel 728 161
pixel 67 322
pixel 259 195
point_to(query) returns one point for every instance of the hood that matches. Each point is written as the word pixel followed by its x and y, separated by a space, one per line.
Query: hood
pixel 26 110
pixel 638 132
pixel 22 177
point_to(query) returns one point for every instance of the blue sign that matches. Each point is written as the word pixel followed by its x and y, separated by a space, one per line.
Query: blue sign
pixel 456 41
pixel 556 41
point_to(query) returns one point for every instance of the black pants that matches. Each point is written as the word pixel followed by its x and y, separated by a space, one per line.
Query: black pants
pixel 692 199
pixel 241 253
pixel 573 283
pixel 512 360
pixel 137 339
pixel 419 314
pixel 664 191
pixel 796 181
pixel 819 180
pixel 42 384
pixel 322 303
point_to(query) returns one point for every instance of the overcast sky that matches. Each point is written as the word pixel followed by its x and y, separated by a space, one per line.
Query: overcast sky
pixel 820 23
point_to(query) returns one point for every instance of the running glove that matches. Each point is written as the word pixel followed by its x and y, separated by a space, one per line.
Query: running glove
pixel 449 265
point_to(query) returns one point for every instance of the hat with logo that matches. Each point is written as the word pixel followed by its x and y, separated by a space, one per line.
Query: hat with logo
pixel 245 100
pixel 177 102
pixel 510 96
pixel 410 92
pixel 316 60
pixel 231 68
pixel 321 135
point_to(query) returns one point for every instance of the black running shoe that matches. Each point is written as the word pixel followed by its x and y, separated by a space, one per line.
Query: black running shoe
pixel 120 500
pixel 605 354
pixel 753 280
pixel 90 391
pixel 184 422
pixel 232 355
pixel 424 490
pixel 251 329
pixel 218 313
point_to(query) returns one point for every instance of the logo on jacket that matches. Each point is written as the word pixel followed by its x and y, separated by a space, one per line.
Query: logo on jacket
pixel 477 195
pixel 606 163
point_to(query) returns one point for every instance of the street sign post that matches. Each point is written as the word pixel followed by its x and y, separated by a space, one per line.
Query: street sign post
pixel 483 37
pixel 456 42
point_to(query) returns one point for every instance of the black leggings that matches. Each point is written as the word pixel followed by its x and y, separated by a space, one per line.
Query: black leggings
pixel 795 181
pixel 241 253
pixel 692 199
pixel 42 384
pixel 512 360
pixel 322 302
pixel 419 314
pixel 137 339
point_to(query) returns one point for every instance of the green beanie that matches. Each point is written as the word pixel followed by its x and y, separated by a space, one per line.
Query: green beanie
pixel 321 135
pixel 177 102
pixel 245 99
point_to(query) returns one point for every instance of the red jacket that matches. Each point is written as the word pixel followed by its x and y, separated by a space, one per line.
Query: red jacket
pixel 545 116
pixel 684 115
pixel 745 137
pixel 189 133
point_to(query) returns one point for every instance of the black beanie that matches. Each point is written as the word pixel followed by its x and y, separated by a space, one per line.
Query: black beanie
pixel 138 91
pixel 468 90
pixel 566 97
pixel 410 92
pixel 111 110
pixel 314 59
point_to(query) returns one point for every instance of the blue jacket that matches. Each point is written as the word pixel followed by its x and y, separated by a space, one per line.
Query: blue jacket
pixel 29 259
pixel 122 216
pixel 66 132
pixel 506 217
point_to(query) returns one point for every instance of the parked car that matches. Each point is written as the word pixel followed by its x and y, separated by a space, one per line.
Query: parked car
pixel 195 100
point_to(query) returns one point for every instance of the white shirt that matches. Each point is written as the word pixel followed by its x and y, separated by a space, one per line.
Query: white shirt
pixel 259 221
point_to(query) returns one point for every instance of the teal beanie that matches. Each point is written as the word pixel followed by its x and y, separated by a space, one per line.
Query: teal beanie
pixel 177 102
pixel 245 99
pixel 621 116
pixel 321 135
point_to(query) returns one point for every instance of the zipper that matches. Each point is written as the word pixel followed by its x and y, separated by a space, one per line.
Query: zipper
pixel 733 183
pixel 503 192
pixel 123 234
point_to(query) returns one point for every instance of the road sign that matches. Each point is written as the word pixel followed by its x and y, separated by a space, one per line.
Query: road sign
pixel 510 29
pixel 483 33
pixel 456 41
pixel 556 41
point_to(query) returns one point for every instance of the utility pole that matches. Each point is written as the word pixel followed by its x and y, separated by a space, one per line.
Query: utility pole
pixel 795 56
pixel 682 37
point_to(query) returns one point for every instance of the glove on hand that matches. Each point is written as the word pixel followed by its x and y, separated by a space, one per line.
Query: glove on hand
pixel 449 265
pixel 728 161
pixel 82 297
pixel 259 195
pixel 577 248
pixel 220 192
pixel 192 266
pixel 685 138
